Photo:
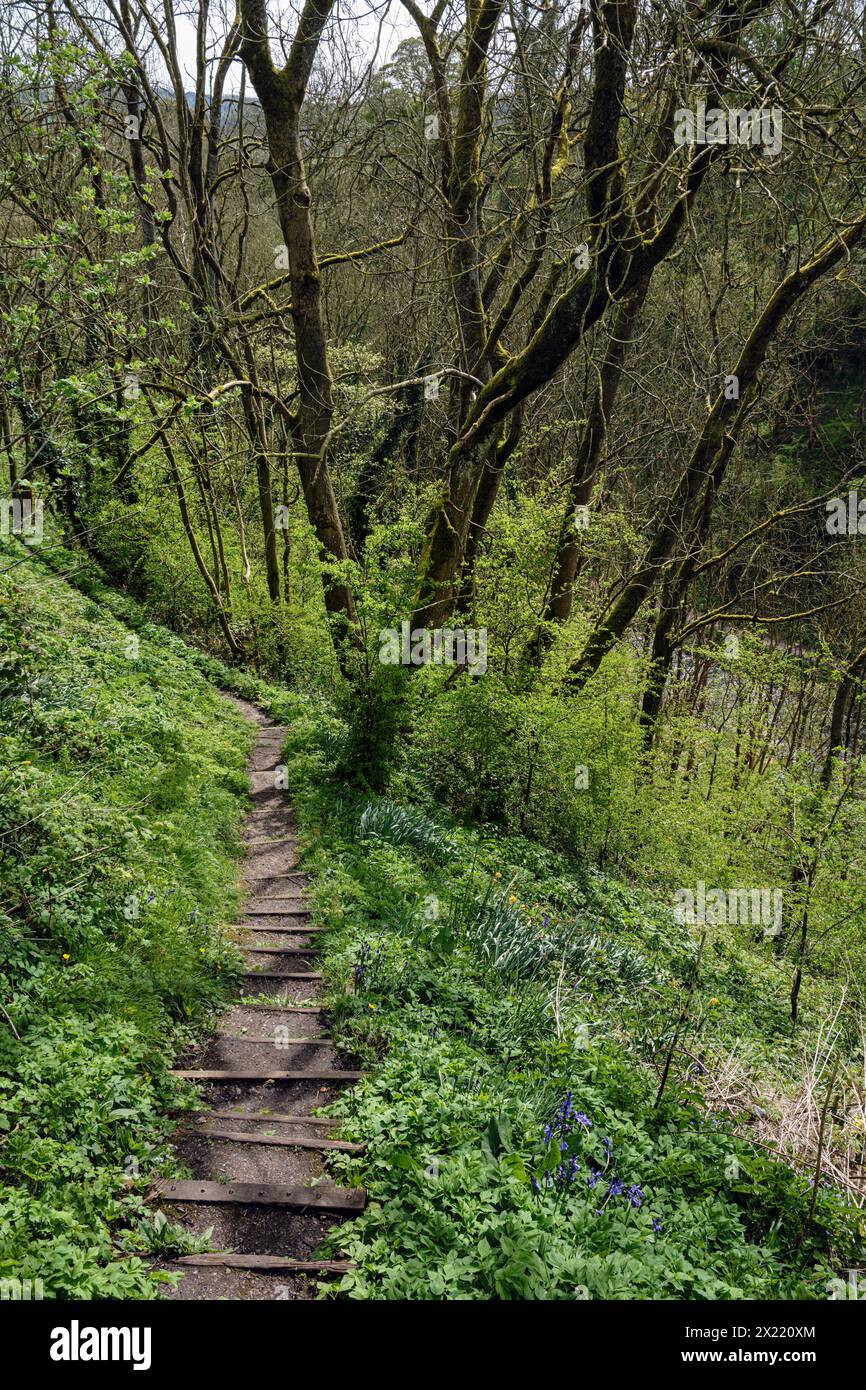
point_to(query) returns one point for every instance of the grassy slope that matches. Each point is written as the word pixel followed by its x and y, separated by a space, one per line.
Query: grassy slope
pixel 439 979
pixel 435 981
pixel 122 789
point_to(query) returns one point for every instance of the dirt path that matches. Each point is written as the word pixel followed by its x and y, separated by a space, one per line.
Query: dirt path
pixel 256 1153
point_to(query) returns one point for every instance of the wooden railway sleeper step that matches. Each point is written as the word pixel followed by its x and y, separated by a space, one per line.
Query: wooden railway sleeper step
pixel 260 1194
pixel 300 930
pixel 277 1264
pixel 280 1140
pixel 262 1074
pixel 277 1117
pixel 282 950
pixel 272 975
pixel 272 1041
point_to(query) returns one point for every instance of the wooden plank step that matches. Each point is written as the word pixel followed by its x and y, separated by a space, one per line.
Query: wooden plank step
pixel 284 1008
pixel 282 950
pixel 295 891
pixel 277 1263
pixel 246 1074
pixel 273 975
pixel 298 930
pixel 297 897
pixel 261 1194
pixel 278 873
pixel 277 911
pixel 278 1118
pixel 272 1042
pixel 288 907
pixel 280 1140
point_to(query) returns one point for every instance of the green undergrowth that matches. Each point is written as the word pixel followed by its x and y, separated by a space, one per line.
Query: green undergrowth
pixel 516 1008
pixel 122 790
pixel 516 1011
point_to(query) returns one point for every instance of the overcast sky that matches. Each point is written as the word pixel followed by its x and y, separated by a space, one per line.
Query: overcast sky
pixel 369 28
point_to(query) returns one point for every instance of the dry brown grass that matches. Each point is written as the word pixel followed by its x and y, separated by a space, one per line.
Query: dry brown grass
pixel 787 1124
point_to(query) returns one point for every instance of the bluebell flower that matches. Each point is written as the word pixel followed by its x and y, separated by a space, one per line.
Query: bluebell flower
pixel 583 1119
pixel 635 1195
pixel 657 1225
pixel 616 1187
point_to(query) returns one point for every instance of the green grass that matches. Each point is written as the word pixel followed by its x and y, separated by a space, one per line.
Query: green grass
pixel 122 791
pixel 485 980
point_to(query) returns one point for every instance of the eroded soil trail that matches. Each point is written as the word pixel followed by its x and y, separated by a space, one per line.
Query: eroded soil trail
pixel 257 1151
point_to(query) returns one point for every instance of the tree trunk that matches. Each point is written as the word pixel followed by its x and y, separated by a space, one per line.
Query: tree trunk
pixel 281 94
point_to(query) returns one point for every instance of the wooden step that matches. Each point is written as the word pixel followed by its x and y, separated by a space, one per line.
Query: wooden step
pixel 317 1008
pixel 279 1118
pixel 280 1140
pixel 277 1263
pixel 261 1194
pixel 282 873
pixel 298 896
pixel 246 1074
pixel 282 950
pixel 298 930
pixel 273 975
pixel 275 1043
pixel 272 1042
pixel 284 1008
pixel 278 897
pixel 277 912
pixel 288 907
